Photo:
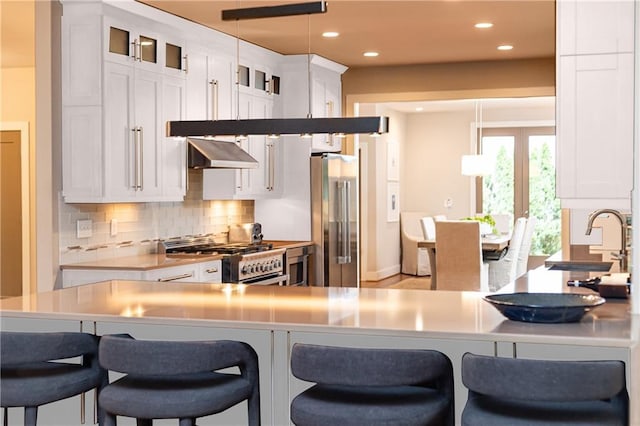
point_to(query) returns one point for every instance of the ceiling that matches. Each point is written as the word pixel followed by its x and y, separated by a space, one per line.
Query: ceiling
pixel 403 32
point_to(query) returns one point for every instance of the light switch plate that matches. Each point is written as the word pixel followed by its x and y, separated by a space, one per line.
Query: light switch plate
pixel 84 228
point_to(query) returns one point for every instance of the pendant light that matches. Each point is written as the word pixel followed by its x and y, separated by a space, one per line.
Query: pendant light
pixel 476 164
pixel 279 126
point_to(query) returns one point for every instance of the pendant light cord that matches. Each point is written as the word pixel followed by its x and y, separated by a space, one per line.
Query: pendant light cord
pixel 309 114
pixel 237 69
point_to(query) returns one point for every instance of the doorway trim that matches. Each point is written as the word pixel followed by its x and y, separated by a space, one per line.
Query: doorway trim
pixel 23 128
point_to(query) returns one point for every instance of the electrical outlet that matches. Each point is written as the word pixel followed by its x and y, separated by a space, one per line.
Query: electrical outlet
pixel 84 228
pixel 114 227
pixel 448 203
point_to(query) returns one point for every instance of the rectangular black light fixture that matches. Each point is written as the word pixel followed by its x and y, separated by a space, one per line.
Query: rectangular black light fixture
pixel 274 11
pixel 279 126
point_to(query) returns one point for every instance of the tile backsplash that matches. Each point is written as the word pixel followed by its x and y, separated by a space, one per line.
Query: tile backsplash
pixel 140 225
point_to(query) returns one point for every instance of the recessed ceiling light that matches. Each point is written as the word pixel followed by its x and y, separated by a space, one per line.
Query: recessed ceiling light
pixel 419 109
pixel 371 54
pixel 330 34
pixel 505 47
pixel 483 25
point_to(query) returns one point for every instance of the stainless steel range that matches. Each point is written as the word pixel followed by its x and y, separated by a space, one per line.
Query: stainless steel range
pixel 257 263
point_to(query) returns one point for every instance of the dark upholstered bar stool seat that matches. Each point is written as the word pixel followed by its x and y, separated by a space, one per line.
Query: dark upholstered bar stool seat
pixel 177 380
pixel 356 386
pixel 510 391
pixel 30 378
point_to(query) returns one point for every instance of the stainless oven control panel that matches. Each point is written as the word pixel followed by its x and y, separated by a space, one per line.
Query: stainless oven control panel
pixel 263 263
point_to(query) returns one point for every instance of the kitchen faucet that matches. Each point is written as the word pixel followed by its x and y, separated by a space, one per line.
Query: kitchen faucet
pixel 623 256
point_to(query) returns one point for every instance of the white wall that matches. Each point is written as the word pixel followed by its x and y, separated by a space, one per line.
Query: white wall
pixel 380 250
pixel 433 149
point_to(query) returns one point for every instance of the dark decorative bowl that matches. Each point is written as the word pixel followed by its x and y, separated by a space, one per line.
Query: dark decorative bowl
pixel 544 307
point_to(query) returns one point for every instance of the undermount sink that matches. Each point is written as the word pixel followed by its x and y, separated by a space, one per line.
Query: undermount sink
pixel 580 266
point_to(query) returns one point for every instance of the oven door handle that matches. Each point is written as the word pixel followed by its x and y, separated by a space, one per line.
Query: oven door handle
pixel 280 280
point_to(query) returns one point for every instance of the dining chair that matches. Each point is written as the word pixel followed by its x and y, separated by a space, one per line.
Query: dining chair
pixel 367 386
pixel 518 392
pixel 459 263
pixel 503 271
pixel 503 222
pixel 177 379
pixel 525 248
pixel 428 228
pixel 43 367
pixel 415 260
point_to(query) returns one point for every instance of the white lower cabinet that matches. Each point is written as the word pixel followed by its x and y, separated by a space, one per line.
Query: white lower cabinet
pixel 210 272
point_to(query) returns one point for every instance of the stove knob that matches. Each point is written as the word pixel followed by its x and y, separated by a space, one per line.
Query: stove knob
pixel 244 269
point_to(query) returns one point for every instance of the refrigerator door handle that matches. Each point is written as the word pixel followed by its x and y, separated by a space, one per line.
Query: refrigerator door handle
pixel 344 226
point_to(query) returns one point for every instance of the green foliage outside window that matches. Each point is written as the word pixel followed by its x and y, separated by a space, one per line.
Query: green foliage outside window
pixel 498 195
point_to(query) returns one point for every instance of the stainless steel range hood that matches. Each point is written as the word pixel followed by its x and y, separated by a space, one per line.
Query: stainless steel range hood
pixel 205 153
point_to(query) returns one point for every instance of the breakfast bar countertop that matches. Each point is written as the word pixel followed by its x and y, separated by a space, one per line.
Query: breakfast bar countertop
pixel 448 314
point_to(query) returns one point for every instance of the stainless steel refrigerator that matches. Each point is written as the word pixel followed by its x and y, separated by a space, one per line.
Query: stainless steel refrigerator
pixel 334 220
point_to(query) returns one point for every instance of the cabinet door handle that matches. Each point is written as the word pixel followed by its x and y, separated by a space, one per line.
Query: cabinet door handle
pixel 137 50
pixel 211 270
pixel 214 99
pixel 137 158
pixel 176 277
pixel 271 160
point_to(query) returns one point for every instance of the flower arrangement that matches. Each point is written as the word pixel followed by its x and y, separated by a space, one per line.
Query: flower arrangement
pixel 488 221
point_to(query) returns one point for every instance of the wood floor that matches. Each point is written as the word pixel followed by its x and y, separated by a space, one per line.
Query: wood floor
pixel 387 282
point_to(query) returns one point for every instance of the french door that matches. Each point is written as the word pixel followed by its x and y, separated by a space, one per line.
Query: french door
pixel 523 180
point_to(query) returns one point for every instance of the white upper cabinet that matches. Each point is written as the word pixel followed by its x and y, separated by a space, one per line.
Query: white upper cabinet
pixel 594 104
pixel 116 100
pixel 210 85
pixel 595 27
pixel 314 87
pixel 243 184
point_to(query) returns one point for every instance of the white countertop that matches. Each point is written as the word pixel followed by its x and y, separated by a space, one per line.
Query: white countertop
pixel 337 310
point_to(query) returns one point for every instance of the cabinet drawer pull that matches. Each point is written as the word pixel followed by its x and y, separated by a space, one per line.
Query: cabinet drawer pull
pixel 211 270
pixel 176 277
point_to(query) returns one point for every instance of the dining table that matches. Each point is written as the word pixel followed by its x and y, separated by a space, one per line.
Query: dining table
pixel 491 244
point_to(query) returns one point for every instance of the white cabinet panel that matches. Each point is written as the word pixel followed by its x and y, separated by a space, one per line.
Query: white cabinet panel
pixel 132 124
pixel 81 67
pixel 174 150
pixel 595 27
pixel 595 126
pixel 210 86
pixel 82 147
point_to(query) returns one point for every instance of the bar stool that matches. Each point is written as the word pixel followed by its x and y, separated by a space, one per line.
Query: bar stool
pixel 30 379
pixel 510 391
pixel 356 386
pixel 172 379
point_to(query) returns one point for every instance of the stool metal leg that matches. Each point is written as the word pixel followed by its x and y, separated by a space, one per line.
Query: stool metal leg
pixel 5 421
pixel 144 422
pixel 30 416
pixel 187 422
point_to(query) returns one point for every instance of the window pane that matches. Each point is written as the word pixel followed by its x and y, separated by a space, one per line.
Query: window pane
pixel 543 204
pixel 497 188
